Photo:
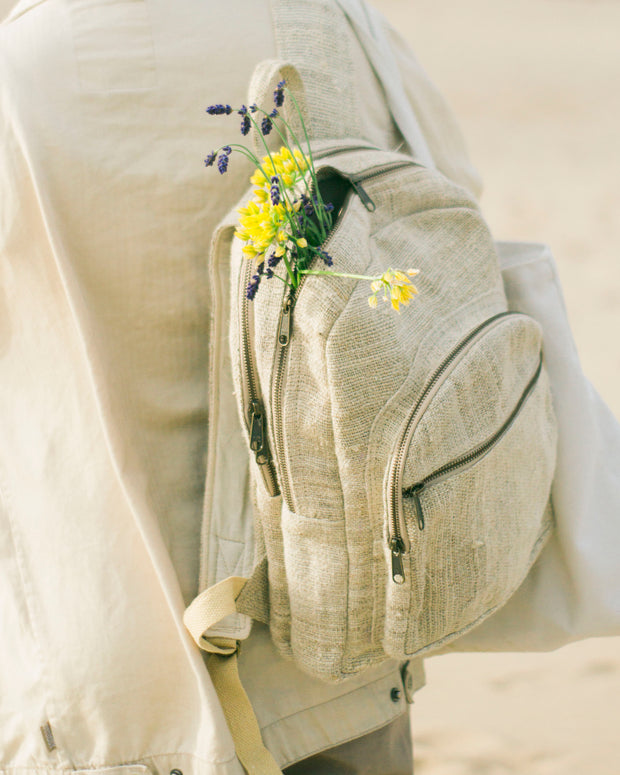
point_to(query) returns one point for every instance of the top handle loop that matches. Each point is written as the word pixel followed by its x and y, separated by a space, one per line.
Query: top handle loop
pixel 264 81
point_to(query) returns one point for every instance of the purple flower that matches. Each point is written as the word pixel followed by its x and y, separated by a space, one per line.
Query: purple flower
pixel 253 108
pixel 222 161
pixel 278 95
pixel 252 288
pixel 273 261
pixel 307 205
pixel 246 125
pixel 266 125
pixel 273 113
pixel 328 260
pixel 219 110
pixel 210 159
pixel 274 191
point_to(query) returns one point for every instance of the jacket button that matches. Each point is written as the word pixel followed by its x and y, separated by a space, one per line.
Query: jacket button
pixel 394 696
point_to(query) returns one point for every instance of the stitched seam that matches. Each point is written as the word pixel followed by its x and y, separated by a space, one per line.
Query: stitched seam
pixel 327 702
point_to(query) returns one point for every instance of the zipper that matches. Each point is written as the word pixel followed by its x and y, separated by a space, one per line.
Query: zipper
pixel 285 325
pixel 468 459
pixel 255 416
pixel 375 172
pixel 356 180
pixel 398 540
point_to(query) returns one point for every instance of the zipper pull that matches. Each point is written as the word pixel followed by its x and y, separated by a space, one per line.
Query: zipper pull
pixel 257 430
pixel 398 570
pixel 414 494
pixel 363 195
pixel 285 321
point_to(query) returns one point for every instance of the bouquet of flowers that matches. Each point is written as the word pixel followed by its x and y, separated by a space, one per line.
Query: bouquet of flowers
pixel 285 224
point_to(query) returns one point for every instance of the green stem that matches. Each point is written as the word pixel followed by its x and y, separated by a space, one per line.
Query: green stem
pixel 308 158
pixel 303 126
pixel 242 149
pixel 324 222
pixel 286 209
pixel 284 140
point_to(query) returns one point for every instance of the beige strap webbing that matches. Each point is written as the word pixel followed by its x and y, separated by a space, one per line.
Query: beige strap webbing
pixel 203 613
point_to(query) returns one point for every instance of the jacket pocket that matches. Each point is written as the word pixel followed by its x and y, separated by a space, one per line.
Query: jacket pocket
pixel 468 486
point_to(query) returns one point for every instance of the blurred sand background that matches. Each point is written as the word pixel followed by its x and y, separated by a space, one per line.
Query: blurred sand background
pixel 535 85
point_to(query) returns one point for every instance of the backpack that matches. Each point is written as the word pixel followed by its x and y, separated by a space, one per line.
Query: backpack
pixel 402 463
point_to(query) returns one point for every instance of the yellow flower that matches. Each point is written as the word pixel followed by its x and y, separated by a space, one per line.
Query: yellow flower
pixel 258 178
pixel 397 287
pixel 250 251
pixel 266 227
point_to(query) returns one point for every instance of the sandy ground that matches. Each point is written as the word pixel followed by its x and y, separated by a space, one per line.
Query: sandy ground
pixel 536 87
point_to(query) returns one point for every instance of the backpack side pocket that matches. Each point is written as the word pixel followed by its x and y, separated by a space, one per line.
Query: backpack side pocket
pixel 468 486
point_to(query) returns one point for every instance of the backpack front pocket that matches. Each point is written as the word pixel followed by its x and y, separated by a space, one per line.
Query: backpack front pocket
pixel 317 564
pixel 468 486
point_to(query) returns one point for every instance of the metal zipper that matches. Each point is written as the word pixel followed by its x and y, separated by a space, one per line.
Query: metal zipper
pixel 255 416
pixel 470 458
pixel 285 325
pixel 284 330
pixel 357 180
pixel 375 172
pixel 398 540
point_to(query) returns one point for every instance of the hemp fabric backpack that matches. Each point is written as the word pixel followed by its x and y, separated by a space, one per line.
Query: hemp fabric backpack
pixel 402 463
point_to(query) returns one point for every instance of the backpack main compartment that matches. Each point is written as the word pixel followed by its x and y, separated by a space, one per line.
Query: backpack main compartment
pixel 402 461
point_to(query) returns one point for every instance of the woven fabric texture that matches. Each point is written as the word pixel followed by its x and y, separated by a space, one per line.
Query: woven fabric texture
pixel 353 396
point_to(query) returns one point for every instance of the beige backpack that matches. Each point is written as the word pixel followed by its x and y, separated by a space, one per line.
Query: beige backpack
pixel 402 462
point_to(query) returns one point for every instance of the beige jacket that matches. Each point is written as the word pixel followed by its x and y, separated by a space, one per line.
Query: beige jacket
pixel 106 213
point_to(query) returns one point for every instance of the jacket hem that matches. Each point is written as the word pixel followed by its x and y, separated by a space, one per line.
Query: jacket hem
pixel 300 735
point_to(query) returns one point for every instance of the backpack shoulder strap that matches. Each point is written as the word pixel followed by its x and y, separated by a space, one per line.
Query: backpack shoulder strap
pixel 321 51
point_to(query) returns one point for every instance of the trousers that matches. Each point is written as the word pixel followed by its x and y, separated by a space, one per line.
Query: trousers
pixel 387 751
